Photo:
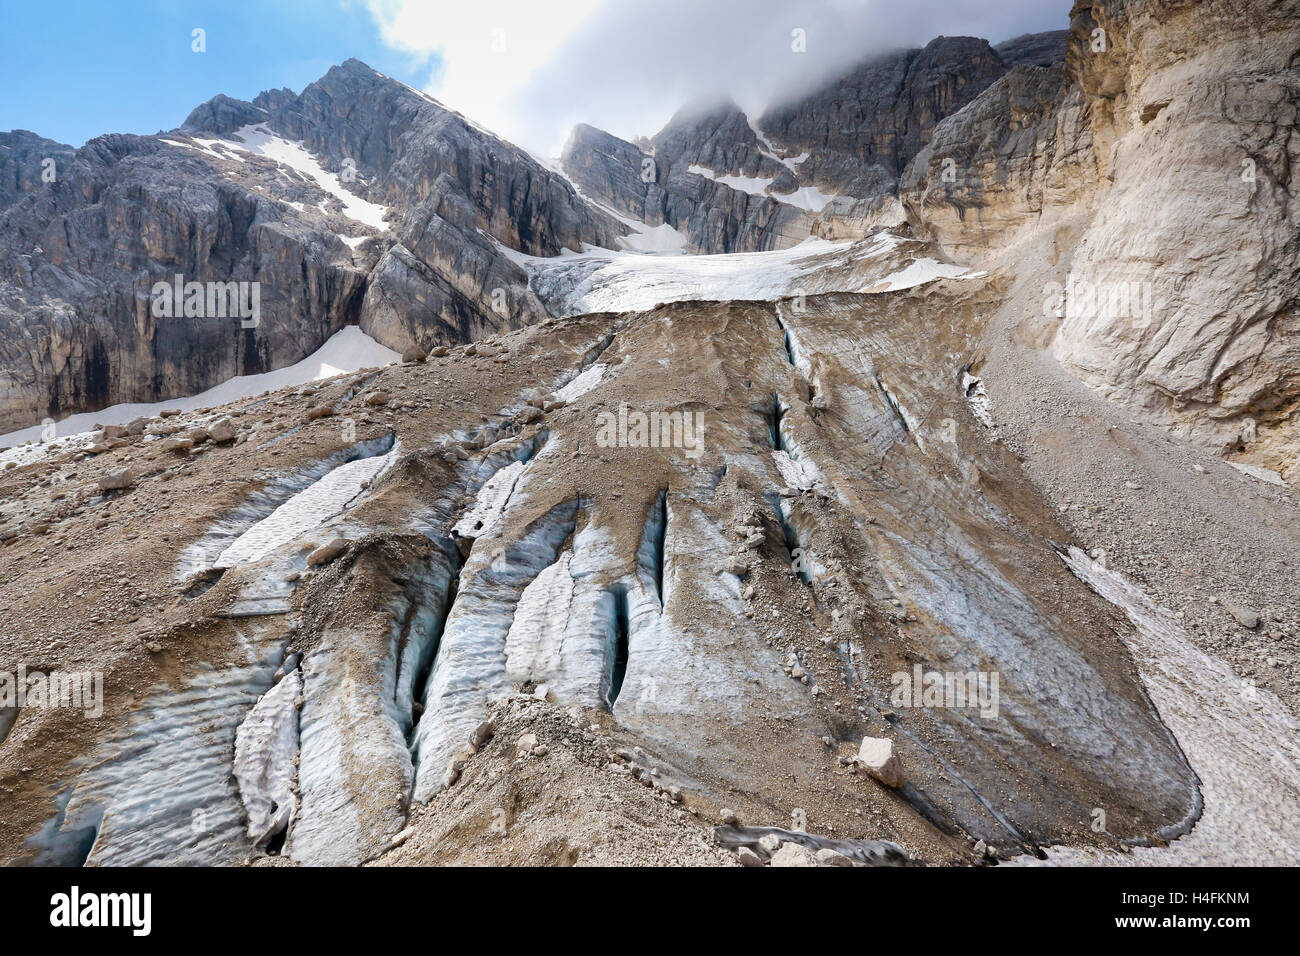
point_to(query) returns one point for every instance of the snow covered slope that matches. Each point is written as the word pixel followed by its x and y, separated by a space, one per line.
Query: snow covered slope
pixel 346 350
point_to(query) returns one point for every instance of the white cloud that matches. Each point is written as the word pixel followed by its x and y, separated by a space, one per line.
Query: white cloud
pixel 530 70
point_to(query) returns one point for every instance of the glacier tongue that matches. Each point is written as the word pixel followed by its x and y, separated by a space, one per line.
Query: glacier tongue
pixel 1241 741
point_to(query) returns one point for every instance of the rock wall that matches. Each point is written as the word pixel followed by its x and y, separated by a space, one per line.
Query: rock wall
pixel 1158 160
pixel 659 187
pixel 80 254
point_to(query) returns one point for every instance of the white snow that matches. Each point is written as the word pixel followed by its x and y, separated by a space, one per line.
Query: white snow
pixel 216 148
pixel 662 239
pixel 1263 474
pixel 582 383
pixel 600 280
pixel 746 184
pixel 258 139
pixel 806 197
pixel 769 150
pixel 346 350
pixel 308 509
pixel 1240 740
pixel 919 272
pixel 484 518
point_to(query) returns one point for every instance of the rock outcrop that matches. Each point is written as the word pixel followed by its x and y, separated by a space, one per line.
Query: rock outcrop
pixel 1158 162
pixel 862 130
pixel 268 193
pixel 1036 49
pixel 674 187
pixel 826 164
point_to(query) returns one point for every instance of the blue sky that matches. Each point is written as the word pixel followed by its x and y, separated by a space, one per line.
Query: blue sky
pixel 74 70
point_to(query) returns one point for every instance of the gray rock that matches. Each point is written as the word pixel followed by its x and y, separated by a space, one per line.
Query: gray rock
pixel 1244 616
pixel 117 480
pixel 222 431
pixel 327 552
pixel 829 857
pixel 793 854
pixel 864 128
pixel 1034 49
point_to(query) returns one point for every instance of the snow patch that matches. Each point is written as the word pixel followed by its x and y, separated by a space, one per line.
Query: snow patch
pixel 662 239
pixel 806 197
pixel 308 509
pixel 258 139
pixel 1263 474
pixel 347 350
pixel 582 383
pixel 746 184
pixel 484 518
pixel 920 272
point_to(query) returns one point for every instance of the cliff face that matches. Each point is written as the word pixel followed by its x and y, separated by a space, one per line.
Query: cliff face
pixel 826 164
pixel 1036 49
pixel 80 255
pixel 1159 161
pixel 675 183
pixel 1198 118
pixel 863 129
pixel 360 200
pixel 1019 157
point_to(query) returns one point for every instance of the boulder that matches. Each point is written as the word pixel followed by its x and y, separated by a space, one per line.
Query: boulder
pixel 223 431
pixel 327 552
pixel 117 480
pixel 793 854
pixel 1244 616
pixel 829 857
pixel 876 756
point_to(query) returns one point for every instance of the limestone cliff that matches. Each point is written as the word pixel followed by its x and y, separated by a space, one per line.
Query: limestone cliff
pixel 1159 162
